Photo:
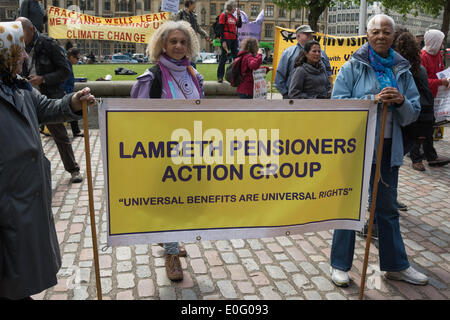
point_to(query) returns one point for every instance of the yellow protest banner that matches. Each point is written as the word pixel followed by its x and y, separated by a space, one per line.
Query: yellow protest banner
pixel 186 170
pixel 338 49
pixel 67 24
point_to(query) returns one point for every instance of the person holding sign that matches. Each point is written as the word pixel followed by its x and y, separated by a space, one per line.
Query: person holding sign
pixel 432 61
pixel 310 79
pixel 29 249
pixel 370 75
pixel 171 47
pixel 251 57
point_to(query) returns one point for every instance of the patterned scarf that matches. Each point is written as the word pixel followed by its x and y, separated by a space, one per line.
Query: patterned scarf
pixel 167 81
pixel 383 68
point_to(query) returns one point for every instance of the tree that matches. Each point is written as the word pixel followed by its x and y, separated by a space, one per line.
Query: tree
pixel 433 7
pixel 316 7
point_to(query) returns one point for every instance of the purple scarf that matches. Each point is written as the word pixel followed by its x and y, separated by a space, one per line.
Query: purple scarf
pixel 168 83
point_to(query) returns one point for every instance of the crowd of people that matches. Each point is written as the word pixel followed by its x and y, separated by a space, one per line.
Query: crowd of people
pixel 36 87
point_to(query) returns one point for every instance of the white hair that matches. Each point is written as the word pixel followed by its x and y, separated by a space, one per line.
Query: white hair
pixel 375 22
pixel 158 41
pixel 229 5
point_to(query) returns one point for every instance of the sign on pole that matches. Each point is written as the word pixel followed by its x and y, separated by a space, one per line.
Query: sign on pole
pixel 442 106
pixel 68 24
pixel 259 84
pixel 170 5
pixel 223 169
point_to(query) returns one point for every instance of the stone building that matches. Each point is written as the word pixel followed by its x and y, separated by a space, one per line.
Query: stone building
pixel 207 12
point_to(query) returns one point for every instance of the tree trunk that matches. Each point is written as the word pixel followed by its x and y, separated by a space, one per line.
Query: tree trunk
pixel 315 10
pixel 446 20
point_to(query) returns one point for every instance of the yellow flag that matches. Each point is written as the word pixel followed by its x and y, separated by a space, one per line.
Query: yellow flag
pixel 338 49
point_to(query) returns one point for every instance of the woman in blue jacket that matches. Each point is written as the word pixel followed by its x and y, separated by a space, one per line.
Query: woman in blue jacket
pixel 377 72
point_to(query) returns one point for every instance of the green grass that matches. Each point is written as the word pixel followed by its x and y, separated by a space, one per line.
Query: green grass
pixel 94 71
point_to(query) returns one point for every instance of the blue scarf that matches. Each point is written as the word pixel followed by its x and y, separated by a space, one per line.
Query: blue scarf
pixel 383 68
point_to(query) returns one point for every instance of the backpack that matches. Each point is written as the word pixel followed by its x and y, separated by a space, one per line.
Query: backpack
pixel 156 87
pixel 217 28
pixel 233 74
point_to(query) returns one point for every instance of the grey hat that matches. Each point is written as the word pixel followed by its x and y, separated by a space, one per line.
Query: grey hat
pixel 304 29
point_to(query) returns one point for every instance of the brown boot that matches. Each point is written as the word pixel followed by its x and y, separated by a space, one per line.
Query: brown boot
pixel 418 166
pixel 181 251
pixel 173 267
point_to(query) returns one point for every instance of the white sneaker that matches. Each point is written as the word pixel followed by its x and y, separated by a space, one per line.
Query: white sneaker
pixel 340 278
pixel 409 275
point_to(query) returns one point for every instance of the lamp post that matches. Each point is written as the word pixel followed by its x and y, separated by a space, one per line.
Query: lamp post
pixel 362 18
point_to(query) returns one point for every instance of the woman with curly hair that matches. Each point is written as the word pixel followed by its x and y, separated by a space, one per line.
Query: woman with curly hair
pixel 172 47
pixel 251 57
pixel 420 132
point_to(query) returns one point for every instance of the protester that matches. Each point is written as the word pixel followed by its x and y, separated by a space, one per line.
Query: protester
pixel 285 67
pixel 433 62
pixel 228 36
pixel 73 56
pixel 47 69
pixel 188 14
pixel 369 74
pixel 171 48
pixel 251 57
pixel 310 79
pixel 29 250
pixel 33 10
pixel 419 40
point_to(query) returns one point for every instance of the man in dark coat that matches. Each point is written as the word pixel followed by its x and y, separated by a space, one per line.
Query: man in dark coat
pixel 47 69
pixel 32 10
pixel 29 250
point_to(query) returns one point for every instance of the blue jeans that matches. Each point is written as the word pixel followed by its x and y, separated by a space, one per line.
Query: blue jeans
pixel 391 247
pixel 171 247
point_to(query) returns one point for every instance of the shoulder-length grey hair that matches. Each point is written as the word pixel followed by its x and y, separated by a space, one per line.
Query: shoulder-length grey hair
pixel 375 21
pixel 158 41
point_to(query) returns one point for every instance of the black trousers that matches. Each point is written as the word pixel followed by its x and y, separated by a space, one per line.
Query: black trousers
pixel 75 127
pixel 59 133
pixel 429 153
pixel 233 47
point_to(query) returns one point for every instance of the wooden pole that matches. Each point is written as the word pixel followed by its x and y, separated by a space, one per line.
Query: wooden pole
pixel 374 200
pixel 91 200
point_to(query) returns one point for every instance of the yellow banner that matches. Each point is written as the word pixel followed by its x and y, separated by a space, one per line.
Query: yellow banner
pixel 177 171
pixel 67 24
pixel 338 49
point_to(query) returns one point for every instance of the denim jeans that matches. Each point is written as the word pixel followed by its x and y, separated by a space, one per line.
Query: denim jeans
pixel 391 247
pixel 233 47
pixel 244 96
pixel 171 247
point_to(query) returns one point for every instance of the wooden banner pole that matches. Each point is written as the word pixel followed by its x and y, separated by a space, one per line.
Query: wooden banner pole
pixel 91 200
pixel 374 200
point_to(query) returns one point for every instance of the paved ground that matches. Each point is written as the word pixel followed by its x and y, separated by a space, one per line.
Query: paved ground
pixel 289 267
